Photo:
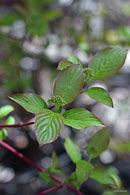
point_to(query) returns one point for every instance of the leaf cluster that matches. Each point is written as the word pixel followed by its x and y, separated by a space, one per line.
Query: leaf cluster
pixel 69 83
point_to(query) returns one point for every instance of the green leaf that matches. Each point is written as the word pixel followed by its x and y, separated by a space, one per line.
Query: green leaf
pixel 48 125
pixel 107 62
pixel 30 102
pixel 52 14
pixel 10 120
pixel 34 20
pixel 5 110
pixel 8 18
pixel 80 118
pixel 110 192
pixel 101 95
pixel 124 146
pixel 83 170
pixel 54 161
pixel 3 132
pixel 54 168
pixel 106 176
pixel 82 173
pixel 98 143
pixel 64 64
pixel 102 176
pixel 74 60
pixel 72 150
pixel 73 180
pixel 45 176
pixel 68 83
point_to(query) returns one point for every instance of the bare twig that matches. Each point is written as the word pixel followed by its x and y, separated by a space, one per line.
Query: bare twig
pixel 21 156
pixel 53 189
pixel 40 169
pixel 21 124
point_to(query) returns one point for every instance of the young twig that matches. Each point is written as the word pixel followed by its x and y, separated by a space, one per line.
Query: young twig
pixel 40 169
pixel 21 156
pixel 53 189
pixel 21 124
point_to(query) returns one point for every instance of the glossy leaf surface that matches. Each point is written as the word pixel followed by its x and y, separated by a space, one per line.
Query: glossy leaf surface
pixel 101 95
pixel 30 102
pixel 80 118
pixel 107 62
pixel 72 150
pixel 83 170
pixel 74 59
pixel 98 143
pixel 48 125
pixel 68 83
pixel 81 174
pixel 4 132
pixel 106 176
pixel 5 110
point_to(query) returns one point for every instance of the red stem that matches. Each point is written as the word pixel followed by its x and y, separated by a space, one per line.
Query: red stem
pixel 70 188
pixel 21 124
pixel 28 161
pixel 40 169
pixel 53 189
pixel 21 156
pixel 17 125
pixel 32 164
pixel 55 179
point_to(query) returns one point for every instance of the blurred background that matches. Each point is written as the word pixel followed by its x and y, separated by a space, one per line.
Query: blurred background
pixel 34 37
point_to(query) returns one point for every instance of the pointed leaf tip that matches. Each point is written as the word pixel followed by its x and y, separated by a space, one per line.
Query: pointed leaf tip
pixel 101 95
pixel 80 118
pixel 98 143
pixel 107 62
pixel 31 102
pixel 69 83
pixel 72 150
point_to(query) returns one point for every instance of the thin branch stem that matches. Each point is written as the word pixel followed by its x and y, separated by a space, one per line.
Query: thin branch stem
pixel 21 124
pixel 70 188
pixel 28 161
pixel 55 179
pixel 21 156
pixel 40 169
pixel 53 189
